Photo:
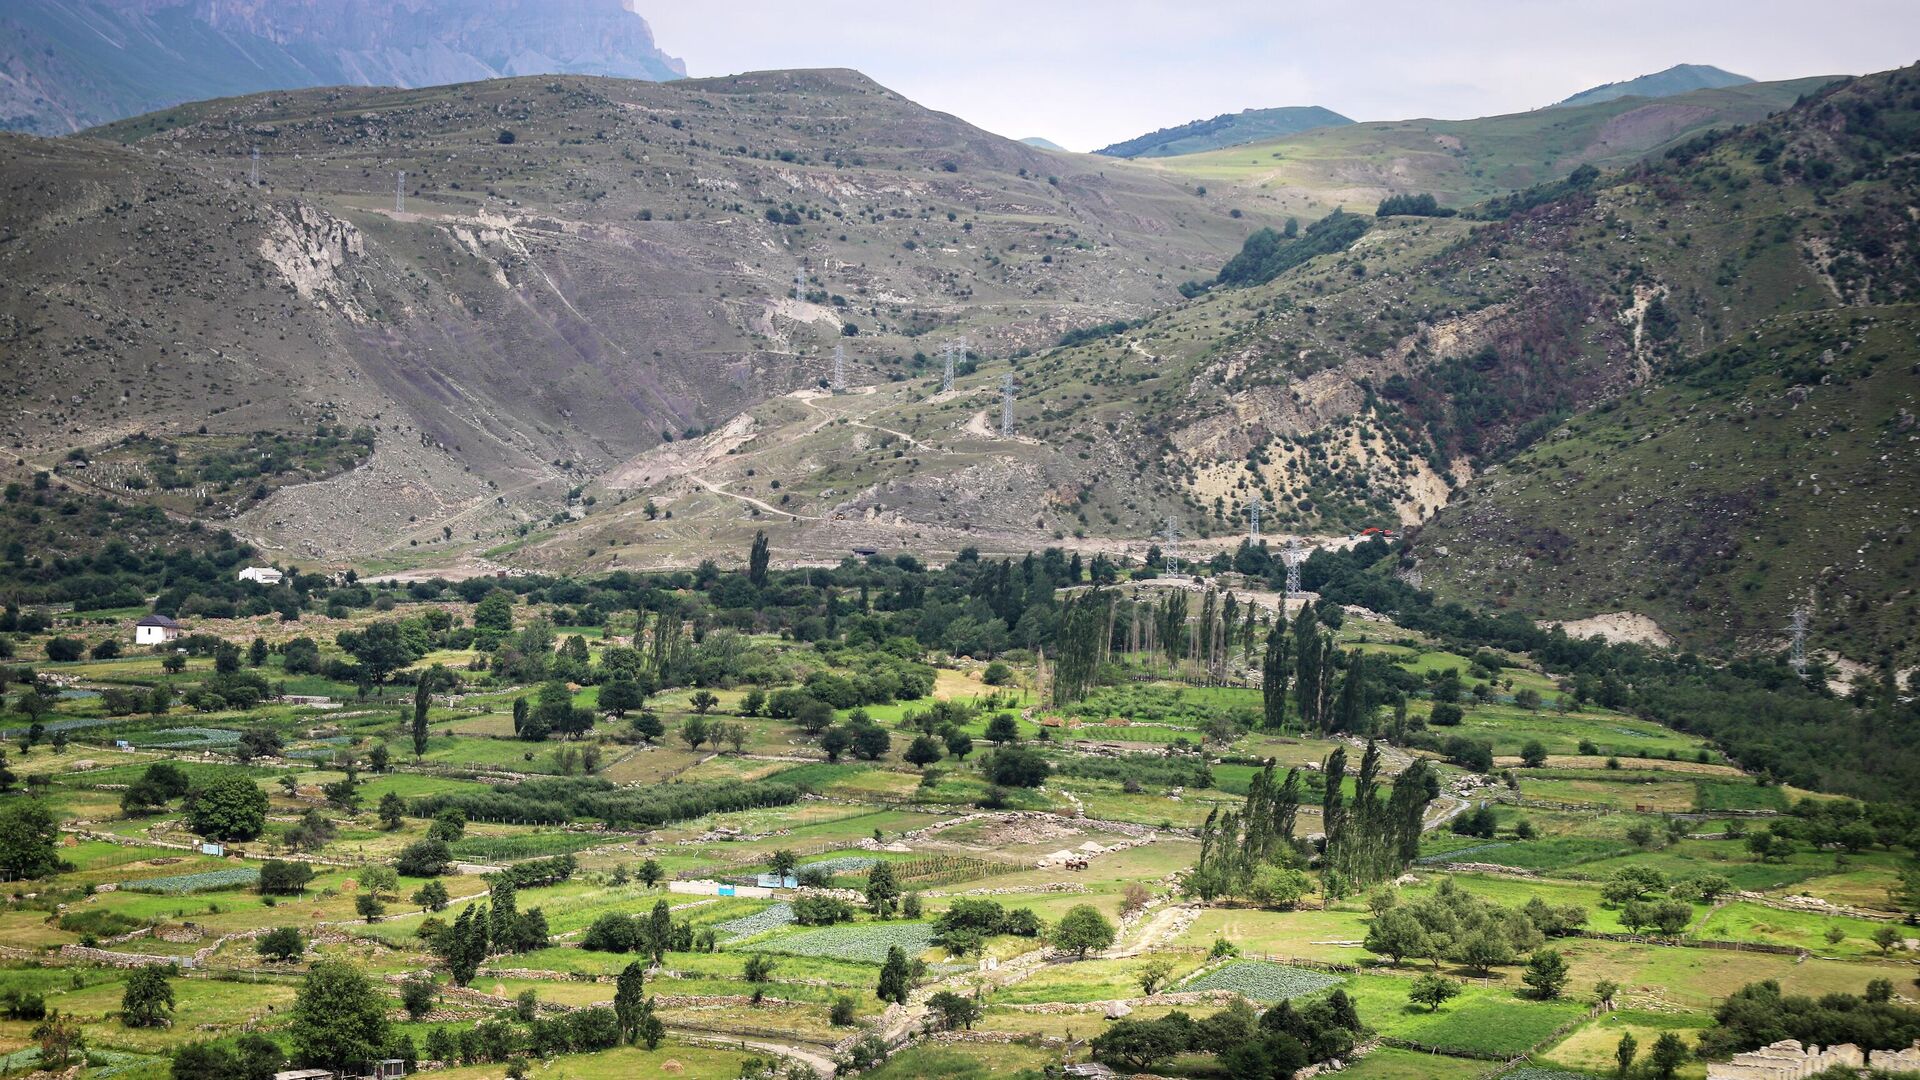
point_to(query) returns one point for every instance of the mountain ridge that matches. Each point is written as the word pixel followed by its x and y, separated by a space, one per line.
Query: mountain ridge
pixel 1678 79
pixel 74 64
pixel 1226 129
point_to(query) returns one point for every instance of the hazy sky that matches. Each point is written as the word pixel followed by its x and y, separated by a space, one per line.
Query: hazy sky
pixel 1088 73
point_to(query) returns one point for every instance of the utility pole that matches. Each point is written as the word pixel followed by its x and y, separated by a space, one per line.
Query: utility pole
pixel 839 367
pixel 1006 405
pixel 1293 556
pixel 400 192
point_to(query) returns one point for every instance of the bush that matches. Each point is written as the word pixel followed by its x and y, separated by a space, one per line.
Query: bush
pixel 280 877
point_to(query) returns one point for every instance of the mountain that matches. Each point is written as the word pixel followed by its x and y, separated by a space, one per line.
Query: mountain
pixel 1227 129
pixel 70 64
pixel 1723 334
pixel 1464 161
pixel 584 270
pixel 1039 143
pixel 1678 79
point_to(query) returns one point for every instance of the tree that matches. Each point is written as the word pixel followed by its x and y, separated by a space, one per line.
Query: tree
pixel 257 652
pixel 1623 1054
pixel 1668 1054
pixel 924 751
pixel 282 943
pixel 882 889
pixel 894 977
pixel 423 858
pixel 29 838
pixel 1003 729
pixel 782 862
pixel 1082 930
pixel 393 810
pixel 60 1038
pixel 494 612
pixel 1433 991
pixel 629 1000
pixel 380 649
pixel 369 906
pixel 379 880
pixel 871 742
pixel 449 825
pixel 229 806
pixel 959 744
pixel 758 972
pixel 418 994
pixel 620 696
pixel 432 896
pixel 147 1000
pixel 339 1018
pixel 694 730
pixel 703 701
pixel 1546 973
pixel 1534 754
pixel 956 1011
pixel 1604 990
pixel 758 557
pixel 422 701
pixel 835 741
pixel 650 873
pixel 1153 975
pixel 1886 937
pixel 1398 934
pixel 1142 1045
pixel 283 877
pixel 1484 949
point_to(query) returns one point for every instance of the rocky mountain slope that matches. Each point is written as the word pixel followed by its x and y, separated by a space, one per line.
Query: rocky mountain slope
pixel 70 64
pixel 1678 79
pixel 583 269
pixel 1731 324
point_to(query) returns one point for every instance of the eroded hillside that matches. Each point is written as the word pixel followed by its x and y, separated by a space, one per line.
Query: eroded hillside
pixel 582 269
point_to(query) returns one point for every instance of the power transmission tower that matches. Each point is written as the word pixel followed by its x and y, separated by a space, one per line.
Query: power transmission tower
pixel 800 282
pixel 1173 545
pixel 1798 657
pixel 400 192
pixel 946 373
pixel 1253 519
pixel 253 170
pixel 1006 405
pixel 1293 557
pixel 839 367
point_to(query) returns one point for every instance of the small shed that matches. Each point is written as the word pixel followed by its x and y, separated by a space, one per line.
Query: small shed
pixel 262 575
pixel 155 630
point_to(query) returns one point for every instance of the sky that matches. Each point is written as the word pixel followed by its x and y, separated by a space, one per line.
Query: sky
pixel 1086 73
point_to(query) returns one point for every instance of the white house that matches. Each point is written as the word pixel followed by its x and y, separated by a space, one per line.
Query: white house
pixel 155 630
pixel 265 575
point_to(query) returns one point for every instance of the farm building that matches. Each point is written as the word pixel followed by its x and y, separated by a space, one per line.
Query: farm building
pixel 155 630
pixel 264 575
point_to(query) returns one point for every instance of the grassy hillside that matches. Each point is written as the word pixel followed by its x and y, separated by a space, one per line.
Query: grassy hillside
pixel 1779 472
pixel 1678 79
pixel 1464 161
pixel 1227 129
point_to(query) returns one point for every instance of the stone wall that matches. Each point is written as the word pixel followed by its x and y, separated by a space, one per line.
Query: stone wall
pixel 1787 1060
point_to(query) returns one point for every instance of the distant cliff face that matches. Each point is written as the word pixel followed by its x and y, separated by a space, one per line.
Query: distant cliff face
pixel 70 64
